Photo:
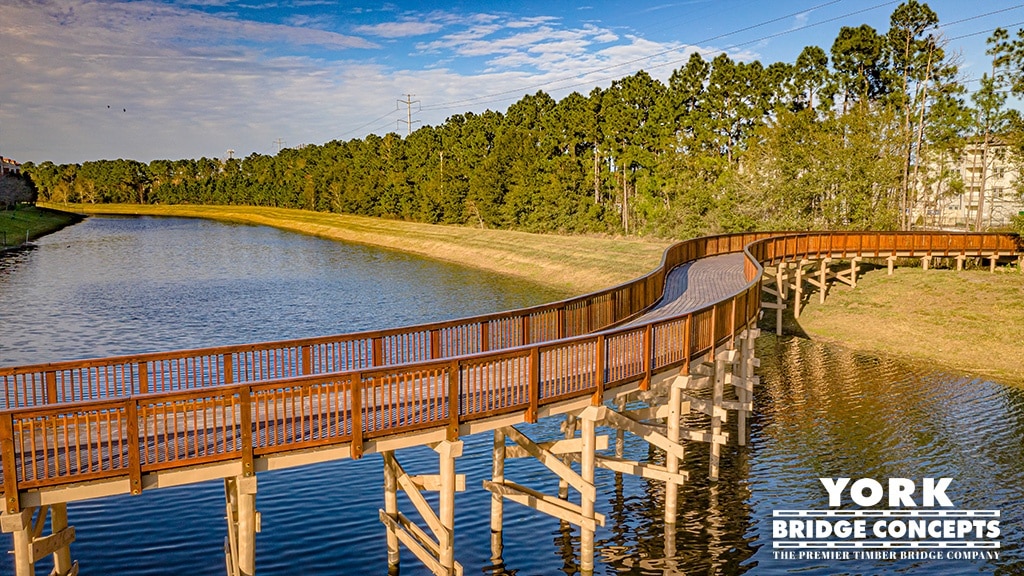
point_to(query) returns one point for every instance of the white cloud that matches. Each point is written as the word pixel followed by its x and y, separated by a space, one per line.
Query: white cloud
pixel 800 20
pixel 145 80
pixel 403 29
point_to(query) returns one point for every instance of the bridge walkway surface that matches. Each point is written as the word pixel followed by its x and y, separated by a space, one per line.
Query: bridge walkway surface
pixel 698 284
pixel 679 340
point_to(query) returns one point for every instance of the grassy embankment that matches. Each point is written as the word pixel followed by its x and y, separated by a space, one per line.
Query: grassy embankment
pixel 971 320
pixel 30 222
pixel 568 264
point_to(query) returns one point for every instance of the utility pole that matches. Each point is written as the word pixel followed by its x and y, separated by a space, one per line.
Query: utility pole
pixel 408 112
pixel 279 143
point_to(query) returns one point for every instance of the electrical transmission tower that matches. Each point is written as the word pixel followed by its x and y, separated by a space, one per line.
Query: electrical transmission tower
pixel 408 112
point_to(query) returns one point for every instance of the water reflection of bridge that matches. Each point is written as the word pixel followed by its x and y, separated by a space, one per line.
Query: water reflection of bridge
pixel 637 358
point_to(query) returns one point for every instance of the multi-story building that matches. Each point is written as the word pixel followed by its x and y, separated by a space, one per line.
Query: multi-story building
pixel 976 176
pixel 8 166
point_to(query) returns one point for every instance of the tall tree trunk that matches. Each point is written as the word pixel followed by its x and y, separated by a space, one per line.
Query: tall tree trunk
pixel 625 202
pixel 905 188
pixel 923 96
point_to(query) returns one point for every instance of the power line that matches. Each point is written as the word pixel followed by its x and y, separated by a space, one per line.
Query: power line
pixel 975 17
pixel 374 121
pixel 581 75
pixel 556 84
pixel 493 99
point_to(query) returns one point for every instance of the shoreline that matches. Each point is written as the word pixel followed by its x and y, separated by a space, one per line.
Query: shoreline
pixel 569 265
pixel 970 321
pixel 32 222
pixel 948 316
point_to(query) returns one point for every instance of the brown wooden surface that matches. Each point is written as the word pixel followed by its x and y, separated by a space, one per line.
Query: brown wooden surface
pixel 131 415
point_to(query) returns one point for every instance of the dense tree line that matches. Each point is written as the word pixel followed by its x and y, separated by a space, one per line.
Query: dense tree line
pixel 834 140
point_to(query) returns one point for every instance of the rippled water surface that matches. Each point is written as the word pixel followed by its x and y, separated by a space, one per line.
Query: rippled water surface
pixel 120 285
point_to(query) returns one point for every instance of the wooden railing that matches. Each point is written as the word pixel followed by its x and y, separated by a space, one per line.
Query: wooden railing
pixel 124 417
pixel 120 376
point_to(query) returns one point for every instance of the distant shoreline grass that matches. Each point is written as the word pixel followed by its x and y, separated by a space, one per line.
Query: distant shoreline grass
pixel 569 265
pixel 30 222
pixel 971 320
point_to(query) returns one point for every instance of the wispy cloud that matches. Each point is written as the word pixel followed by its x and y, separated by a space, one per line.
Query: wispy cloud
pixel 800 20
pixel 148 79
pixel 403 29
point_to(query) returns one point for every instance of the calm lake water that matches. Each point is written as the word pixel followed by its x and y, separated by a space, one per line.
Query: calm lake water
pixel 123 285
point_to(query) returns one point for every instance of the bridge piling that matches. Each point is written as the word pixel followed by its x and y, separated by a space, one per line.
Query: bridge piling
pixel 588 497
pixel 30 546
pixel 569 427
pixel 433 545
pixel 675 415
pixel 243 524
pixel 798 288
pixel 497 502
pixel 391 508
pixel 745 381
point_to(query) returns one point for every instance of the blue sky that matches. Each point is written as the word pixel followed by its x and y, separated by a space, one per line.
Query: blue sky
pixel 149 79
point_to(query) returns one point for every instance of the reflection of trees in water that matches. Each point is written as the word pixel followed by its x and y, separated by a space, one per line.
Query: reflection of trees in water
pixel 833 412
pixel 711 536
pixel 819 411
pixel 843 413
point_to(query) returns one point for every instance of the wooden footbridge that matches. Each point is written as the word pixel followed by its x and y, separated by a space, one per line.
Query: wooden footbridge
pixel 677 340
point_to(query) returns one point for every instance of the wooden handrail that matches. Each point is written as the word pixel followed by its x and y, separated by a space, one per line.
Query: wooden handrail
pixel 523 367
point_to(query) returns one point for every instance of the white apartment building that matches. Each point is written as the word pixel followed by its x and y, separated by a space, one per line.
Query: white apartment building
pixel 951 191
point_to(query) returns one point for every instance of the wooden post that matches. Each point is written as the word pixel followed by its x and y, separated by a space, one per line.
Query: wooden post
pixel 391 507
pixel 853 271
pixel 822 279
pixel 620 434
pixel 992 263
pixel 19 525
pixel 50 393
pixel 744 392
pixel 569 430
pixel 533 389
pixel 12 498
pixel 453 401
pixel 243 524
pixel 448 452
pixel 671 459
pixel 497 502
pixel 62 564
pixel 799 292
pixel 780 298
pixel 587 465
pixel 670 547
pixel 716 411
pixel 356 404
pixel 648 345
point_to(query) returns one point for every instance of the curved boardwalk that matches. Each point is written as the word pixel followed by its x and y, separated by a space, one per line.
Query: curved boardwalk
pixel 92 428
pixel 698 284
